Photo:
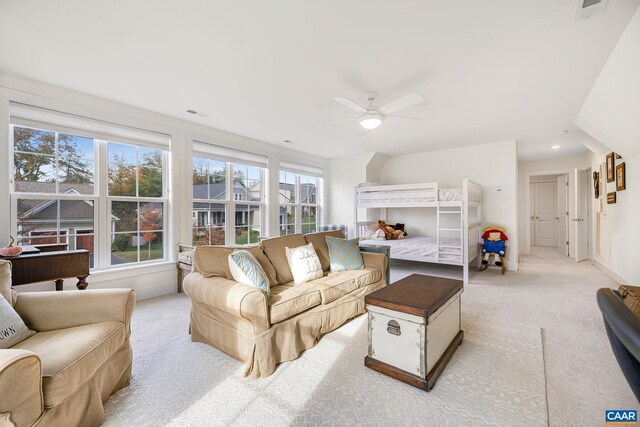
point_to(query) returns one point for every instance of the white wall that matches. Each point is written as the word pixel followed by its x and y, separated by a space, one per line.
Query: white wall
pixel 541 167
pixel 611 114
pixel 344 175
pixel 148 281
pixel 611 111
pixel 620 227
pixel 491 165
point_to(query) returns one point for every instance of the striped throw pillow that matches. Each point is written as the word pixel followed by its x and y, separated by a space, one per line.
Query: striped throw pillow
pixel 246 269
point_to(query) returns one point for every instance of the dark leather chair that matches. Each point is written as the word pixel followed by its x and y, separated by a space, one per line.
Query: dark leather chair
pixel 623 329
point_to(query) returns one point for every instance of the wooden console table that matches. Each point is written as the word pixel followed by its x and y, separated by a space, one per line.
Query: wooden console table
pixel 50 266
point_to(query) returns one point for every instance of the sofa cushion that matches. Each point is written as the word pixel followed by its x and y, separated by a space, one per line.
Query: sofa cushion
pixel 213 261
pixel 286 301
pixel 274 249
pixel 344 254
pixel 319 241
pixel 337 285
pixel 70 357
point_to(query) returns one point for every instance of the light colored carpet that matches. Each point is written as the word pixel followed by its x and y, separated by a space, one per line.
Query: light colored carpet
pixel 496 377
pixel 176 382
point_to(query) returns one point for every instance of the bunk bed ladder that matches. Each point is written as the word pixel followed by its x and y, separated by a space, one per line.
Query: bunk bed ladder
pixel 448 249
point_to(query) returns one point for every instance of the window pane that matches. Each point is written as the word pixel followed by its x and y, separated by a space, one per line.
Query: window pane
pixel 76 216
pixel 200 186
pixel 149 157
pixel 308 189
pixel 246 235
pixel 287 229
pixel 33 140
pixel 75 175
pixel 287 215
pixel 254 191
pixel 124 216
pixel 124 248
pixel 151 247
pixel 122 154
pixel 83 240
pixel 34 173
pixel 150 216
pixel 253 173
pixel 150 182
pixel 287 187
pixel 217 187
pixel 217 167
pixel 77 147
pixel 308 219
pixel 50 239
pixel 122 180
pixel 36 215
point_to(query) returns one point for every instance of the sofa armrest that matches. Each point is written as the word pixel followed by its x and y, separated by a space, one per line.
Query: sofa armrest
pixel 48 311
pixel 21 385
pixel 377 260
pixel 231 297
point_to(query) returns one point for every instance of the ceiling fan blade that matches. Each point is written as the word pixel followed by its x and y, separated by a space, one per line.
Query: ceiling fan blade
pixel 402 103
pixel 405 117
pixel 337 121
pixel 350 104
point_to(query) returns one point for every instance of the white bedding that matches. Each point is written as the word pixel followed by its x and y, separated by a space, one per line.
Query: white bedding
pixel 420 246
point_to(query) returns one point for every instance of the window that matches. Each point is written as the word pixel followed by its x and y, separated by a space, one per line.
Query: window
pixel 135 188
pixel 213 180
pixel 299 203
pixel 57 197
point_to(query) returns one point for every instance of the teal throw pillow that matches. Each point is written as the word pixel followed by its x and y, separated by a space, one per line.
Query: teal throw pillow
pixel 246 269
pixel 344 254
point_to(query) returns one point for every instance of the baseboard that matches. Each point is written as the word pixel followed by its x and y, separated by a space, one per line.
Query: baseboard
pixel 611 274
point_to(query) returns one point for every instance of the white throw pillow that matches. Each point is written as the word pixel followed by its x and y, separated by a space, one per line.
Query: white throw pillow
pixel 304 263
pixel 12 327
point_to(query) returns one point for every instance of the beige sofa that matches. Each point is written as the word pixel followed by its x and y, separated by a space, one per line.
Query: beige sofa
pixel 262 332
pixel 80 355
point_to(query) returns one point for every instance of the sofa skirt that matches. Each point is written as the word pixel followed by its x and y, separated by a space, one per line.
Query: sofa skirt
pixel 85 407
pixel 283 341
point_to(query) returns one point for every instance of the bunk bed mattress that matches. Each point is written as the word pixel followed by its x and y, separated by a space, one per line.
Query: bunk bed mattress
pixel 418 246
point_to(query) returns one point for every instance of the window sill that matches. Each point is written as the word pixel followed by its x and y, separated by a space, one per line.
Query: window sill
pixel 131 271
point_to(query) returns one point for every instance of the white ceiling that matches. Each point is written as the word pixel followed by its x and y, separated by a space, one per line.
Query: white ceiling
pixel 489 71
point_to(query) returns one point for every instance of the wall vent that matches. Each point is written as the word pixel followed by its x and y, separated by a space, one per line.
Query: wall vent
pixel 587 8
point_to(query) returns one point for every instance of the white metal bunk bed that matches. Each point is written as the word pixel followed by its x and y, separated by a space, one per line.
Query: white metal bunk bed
pixel 458 221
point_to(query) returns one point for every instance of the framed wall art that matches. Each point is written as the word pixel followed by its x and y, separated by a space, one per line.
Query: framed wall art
pixel 611 177
pixel 611 198
pixel 621 180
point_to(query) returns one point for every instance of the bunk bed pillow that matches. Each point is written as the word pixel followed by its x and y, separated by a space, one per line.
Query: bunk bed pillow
pixel 344 254
pixel 304 263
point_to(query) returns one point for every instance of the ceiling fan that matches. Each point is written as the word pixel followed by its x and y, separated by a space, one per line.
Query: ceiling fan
pixel 371 116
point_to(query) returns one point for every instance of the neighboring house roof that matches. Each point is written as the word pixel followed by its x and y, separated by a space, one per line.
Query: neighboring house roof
pixel 217 189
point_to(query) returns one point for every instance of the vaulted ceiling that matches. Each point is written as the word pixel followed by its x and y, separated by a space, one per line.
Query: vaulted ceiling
pixel 489 71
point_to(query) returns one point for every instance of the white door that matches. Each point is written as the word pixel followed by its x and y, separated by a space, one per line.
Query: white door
pixel 562 217
pixel 545 201
pixel 578 212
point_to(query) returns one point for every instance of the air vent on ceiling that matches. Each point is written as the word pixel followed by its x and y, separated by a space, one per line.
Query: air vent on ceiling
pixel 587 8
pixel 197 113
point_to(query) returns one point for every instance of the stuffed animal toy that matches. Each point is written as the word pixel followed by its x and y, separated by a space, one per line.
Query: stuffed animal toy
pixel 400 227
pixel 494 243
pixel 389 232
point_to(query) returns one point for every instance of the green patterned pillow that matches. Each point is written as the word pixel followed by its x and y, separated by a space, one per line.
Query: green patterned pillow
pixel 246 269
pixel 344 254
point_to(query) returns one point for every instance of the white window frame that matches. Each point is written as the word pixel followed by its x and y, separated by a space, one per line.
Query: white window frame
pixel 298 205
pixel 229 201
pixel 100 197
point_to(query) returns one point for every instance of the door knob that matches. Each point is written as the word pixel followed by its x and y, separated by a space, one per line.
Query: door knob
pixel 577 219
pixel 557 218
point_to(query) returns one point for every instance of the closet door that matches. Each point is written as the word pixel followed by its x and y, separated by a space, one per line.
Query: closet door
pixel 545 202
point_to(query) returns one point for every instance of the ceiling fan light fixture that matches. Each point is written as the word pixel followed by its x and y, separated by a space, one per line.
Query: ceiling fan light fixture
pixel 370 121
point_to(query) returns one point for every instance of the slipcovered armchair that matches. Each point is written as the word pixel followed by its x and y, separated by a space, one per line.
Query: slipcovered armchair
pixel 79 355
